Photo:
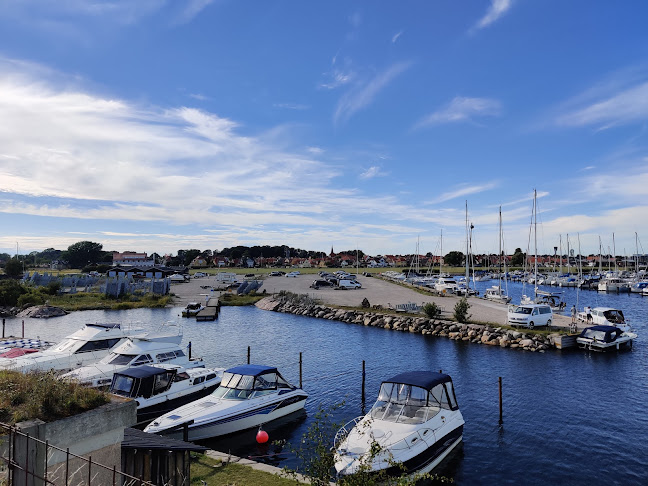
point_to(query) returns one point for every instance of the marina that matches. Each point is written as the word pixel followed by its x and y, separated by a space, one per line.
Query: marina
pixel 545 396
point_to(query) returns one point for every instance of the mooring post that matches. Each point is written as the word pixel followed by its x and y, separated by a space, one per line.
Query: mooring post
pixel 23 328
pixel 3 328
pixel 501 420
pixel 189 350
pixel 363 380
pixel 300 370
pixel 248 354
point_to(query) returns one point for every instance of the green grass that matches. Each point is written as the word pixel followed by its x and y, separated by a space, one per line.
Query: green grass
pixel 216 473
pixel 43 396
pixel 96 300
pixel 236 300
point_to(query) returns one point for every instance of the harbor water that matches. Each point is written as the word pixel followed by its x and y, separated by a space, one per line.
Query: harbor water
pixel 570 417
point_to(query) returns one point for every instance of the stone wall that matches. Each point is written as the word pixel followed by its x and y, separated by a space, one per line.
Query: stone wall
pixel 474 333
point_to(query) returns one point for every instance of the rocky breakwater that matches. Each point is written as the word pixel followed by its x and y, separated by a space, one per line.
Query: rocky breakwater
pixel 474 333
pixel 42 312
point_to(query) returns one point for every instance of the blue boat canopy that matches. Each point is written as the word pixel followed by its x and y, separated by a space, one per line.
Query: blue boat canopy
pixel 251 370
pixel 606 334
pixel 422 379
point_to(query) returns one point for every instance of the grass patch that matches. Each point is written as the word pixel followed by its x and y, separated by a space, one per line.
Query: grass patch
pixel 96 300
pixel 40 395
pixel 235 299
pixel 216 473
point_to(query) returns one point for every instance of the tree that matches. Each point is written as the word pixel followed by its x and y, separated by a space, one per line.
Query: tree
pixel 10 291
pixel 454 258
pixel 517 260
pixel 13 268
pixel 83 253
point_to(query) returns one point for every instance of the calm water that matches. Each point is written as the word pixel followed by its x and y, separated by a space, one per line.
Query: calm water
pixel 570 417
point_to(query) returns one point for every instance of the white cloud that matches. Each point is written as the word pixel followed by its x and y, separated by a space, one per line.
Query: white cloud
pixel 396 36
pixel 462 109
pixel 291 106
pixel 495 11
pixel 629 105
pixel 464 190
pixel 199 97
pixel 371 172
pixel 363 95
pixel 191 8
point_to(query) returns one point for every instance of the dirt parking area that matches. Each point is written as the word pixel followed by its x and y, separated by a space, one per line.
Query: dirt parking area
pixel 376 290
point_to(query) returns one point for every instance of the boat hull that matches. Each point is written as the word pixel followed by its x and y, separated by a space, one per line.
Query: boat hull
pixel 245 420
pixel 146 414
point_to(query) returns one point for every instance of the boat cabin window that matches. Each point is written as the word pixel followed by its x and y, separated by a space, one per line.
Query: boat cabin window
pixel 143 359
pixel 162 357
pixel 210 376
pixel 122 385
pixel 199 380
pixel 614 316
pixel 402 403
pixel 181 376
pixel 99 345
pixel 162 382
pixel 120 359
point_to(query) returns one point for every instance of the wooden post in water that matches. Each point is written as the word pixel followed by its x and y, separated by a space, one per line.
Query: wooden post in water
pixel 364 374
pixel 501 420
pixel 3 328
pixel 300 370
pixel 248 354
pixel 23 328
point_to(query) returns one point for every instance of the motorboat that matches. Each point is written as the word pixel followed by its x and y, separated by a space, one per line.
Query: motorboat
pixel 496 294
pixel 192 309
pixel 86 346
pixel 602 338
pixel 178 278
pixel 248 396
pixel 613 284
pixel 152 348
pixel 638 287
pixel 446 285
pixel 161 388
pixel 606 316
pixel 415 423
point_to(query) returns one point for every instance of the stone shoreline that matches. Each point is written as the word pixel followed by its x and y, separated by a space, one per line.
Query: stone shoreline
pixel 474 333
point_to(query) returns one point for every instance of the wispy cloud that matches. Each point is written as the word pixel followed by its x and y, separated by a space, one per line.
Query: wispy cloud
pixel 190 9
pixel 396 36
pixel 461 109
pixel 629 105
pixel 292 106
pixel 337 78
pixel 464 190
pixel 364 94
pixel 495 11
pixel 371 172
pixel 199 97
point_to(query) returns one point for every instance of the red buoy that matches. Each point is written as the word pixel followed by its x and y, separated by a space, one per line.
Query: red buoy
pixel 262 436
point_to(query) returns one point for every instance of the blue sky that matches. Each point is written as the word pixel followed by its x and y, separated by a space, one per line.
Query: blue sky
pixel 157 125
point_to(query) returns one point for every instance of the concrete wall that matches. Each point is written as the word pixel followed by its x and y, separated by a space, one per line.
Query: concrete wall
pixel 97 433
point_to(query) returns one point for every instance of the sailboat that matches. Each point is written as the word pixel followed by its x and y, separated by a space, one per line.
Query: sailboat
pixel 534 224
pixel 495 293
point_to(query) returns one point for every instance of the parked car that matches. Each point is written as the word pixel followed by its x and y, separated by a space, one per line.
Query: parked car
pixel 199 274
pixel 292 274
pixel 348 284
pixel 320 283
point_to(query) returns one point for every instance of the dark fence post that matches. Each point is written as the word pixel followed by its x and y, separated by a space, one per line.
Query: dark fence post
pixel 89 470
pixel 300 370
pixel 67 466
pixel 26 459
pixel 45 472
pixel 501 420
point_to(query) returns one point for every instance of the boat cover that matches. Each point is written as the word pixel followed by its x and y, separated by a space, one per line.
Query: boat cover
pixel 17 352
pixel 422 379
pixel 607 333
pixel 143 371
pixel 251 369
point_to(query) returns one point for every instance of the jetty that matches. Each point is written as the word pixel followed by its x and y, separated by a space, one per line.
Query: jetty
pixel 211 310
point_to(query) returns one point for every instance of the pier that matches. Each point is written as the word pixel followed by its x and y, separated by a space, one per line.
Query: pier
pixel 211 310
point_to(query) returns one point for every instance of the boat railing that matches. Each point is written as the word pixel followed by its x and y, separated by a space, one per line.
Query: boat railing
pixel 345 430
pixel 411 440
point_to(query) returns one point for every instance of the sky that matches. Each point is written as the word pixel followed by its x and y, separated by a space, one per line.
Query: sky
pixel 160 125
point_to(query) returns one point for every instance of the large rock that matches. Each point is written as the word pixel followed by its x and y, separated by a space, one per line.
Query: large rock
pixel 42 312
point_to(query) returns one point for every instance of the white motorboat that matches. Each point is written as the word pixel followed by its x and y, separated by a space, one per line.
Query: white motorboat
pixel 86 346
pixel 192 309
pixel 248 396
pixel 149 349
pixel 415 423
pixel 603 338
pixel 161 388
pixel 606 316
pixel 638 287
pixel 446 285
pixel 613 284
pixel 496 294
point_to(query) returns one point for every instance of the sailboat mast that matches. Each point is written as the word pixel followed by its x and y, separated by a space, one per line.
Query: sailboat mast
pixel 600 257
pixel 568 269
pixel 535 244
pixel 467 248
pixel 441 254
pixel 614 255
pixel 560 249
pixel 580 271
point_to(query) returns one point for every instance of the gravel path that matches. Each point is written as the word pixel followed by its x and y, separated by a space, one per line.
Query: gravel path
pixel 376 290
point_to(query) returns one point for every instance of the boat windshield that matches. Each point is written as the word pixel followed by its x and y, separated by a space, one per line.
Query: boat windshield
pixel 614 316
pixel 241 387
pixel 522 310
pixel 119 359
pixel 122 385
pixel 65 345
pixel 401 403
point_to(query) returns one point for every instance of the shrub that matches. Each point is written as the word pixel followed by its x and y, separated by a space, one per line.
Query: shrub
pixel 461 310
pixel 365 303
pixel 10 291
pixel 32 298
pixel 432 310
